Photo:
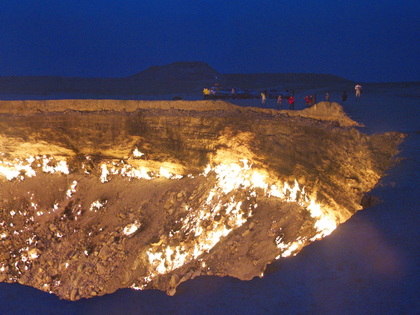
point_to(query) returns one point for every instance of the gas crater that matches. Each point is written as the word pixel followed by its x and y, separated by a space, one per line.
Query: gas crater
pixel 98 195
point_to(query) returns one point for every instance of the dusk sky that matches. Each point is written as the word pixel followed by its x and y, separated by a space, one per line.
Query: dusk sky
pixel 366 41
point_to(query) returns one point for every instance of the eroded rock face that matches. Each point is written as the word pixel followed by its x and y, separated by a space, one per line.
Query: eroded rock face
pixel 101 195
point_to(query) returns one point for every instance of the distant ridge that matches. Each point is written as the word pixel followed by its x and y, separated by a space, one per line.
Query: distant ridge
pixel 175 78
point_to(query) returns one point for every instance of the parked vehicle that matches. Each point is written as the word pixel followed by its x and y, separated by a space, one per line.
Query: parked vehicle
pixel 247 94
pixel 274 93
pixel 220 93
pixel 216 92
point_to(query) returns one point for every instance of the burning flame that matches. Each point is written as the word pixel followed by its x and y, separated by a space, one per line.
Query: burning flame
pixel 165 257
pixel 19 168
pixel 165 170
pixel 137 153
pixel 131 228
pixel 205 226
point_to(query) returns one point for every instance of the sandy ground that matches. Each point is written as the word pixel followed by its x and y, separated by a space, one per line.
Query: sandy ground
pixel 368 265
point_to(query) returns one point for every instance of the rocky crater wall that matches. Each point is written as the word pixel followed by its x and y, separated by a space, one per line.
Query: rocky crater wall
pixel 98 195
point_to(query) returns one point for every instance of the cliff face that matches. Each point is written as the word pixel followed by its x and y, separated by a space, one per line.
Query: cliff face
pixel 102 195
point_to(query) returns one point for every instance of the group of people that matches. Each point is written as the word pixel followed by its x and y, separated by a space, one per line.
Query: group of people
pixel 290 100
pixel 310 100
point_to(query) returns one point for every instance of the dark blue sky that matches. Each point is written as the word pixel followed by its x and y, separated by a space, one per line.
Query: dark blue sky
pixel 367 41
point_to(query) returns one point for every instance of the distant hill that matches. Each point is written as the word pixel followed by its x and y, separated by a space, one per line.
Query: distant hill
pixel 184 70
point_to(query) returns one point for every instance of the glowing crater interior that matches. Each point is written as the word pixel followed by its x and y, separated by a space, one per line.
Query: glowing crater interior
pixel 150 198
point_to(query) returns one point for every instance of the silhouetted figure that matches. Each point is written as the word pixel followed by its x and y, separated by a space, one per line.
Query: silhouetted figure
pixel 344 96
pixel 327 96
pixel 308 100
pixel 279 100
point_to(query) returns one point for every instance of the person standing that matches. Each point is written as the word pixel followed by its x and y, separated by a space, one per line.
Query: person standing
pixel 358 89
pixel 206 93
pixel 233 93
pixel 291 101
pixel 279 100
pixel 308 101
pixel 263 98
pixel 344 96
pixel 327 96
